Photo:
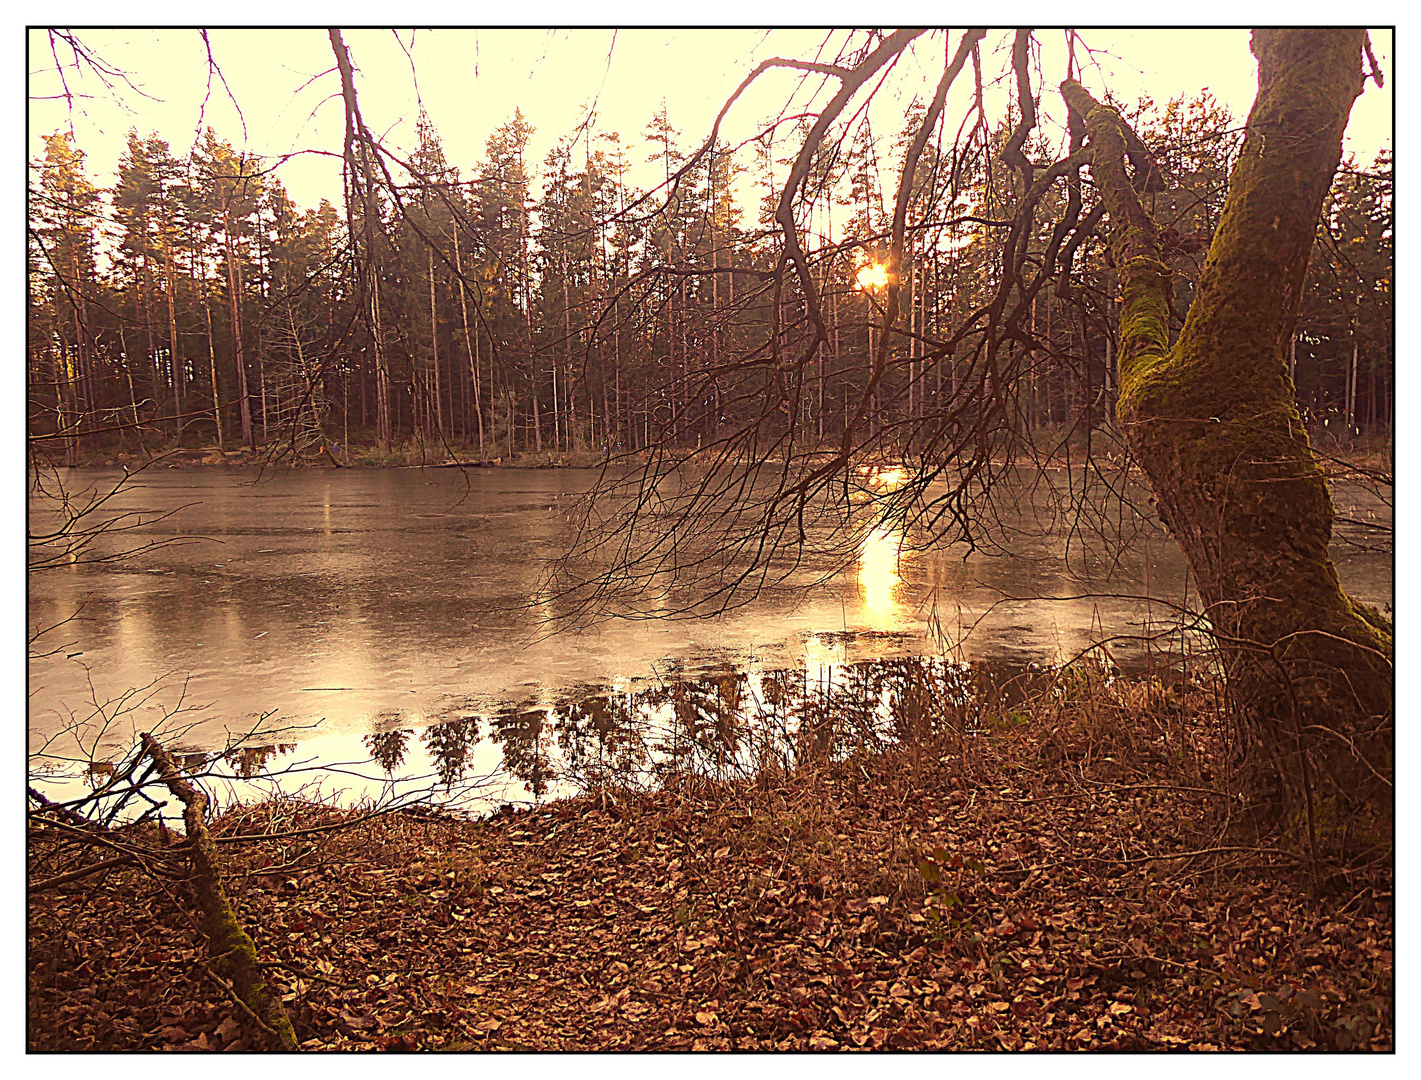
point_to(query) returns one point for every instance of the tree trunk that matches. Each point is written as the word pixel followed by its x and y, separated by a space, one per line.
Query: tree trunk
pixel 128 376
pixel 468 341
pixel 64 422
pixel 383 426
pixel 566 430
pixel 143 306
pixel 178 373
pixel 434 355
pixel 244 400
pixel 212 359
pixel 1213 421
pixel 1352 389
pixel 262 292
pixel 230 948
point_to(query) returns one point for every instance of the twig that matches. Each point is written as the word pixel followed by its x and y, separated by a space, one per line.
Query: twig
pixel 237 998
pixel 254 837
pixel 271 871
pixel 76 875
pixel 1124 787
pixel 93 835
pixel 1154 858
pixel 306 973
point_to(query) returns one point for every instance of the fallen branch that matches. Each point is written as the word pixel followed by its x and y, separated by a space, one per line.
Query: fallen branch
pixel 230 946
pixel 46 806
pixel 76 875
pixel 94 834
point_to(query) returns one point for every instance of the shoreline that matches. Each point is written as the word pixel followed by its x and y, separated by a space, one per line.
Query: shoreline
pixel 1055 883
pixel 1338 461
pixel 211 458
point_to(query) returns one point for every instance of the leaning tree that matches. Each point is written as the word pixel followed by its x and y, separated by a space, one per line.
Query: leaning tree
pixel 1212 418
pixel 1204 402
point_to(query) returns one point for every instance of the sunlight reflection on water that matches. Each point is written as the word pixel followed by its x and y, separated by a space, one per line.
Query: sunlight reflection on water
pixel 879 580
pixel 365 635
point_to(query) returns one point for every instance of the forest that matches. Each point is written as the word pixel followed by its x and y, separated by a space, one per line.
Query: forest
pixel 924 587
pixel 193 305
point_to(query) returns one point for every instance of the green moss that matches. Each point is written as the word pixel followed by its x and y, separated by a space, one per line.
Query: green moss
pixel 1144 319
pixel 235 956
pixel 233 952
pixel 1214 422
pixel 1374 618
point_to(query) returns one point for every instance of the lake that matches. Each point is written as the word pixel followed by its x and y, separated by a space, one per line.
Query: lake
pixel 314 615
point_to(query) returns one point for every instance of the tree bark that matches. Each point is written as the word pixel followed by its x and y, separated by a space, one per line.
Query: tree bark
pixel 434 354
pixel 234 956
pixel 468 342
pixel 1213 421
pixel 212 360
pixel 234 312
pixel 170 281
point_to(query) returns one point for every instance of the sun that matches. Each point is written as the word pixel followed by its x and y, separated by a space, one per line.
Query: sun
pixel 872 276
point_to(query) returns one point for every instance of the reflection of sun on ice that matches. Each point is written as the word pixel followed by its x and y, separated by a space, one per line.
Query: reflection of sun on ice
pixel 878 572
pixel 872 276
pixel 893 474
pixel 890 477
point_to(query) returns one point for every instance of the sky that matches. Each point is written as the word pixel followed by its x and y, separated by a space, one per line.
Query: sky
pixel 470 81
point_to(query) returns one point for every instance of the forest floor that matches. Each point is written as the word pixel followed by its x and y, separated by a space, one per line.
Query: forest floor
pixel 1063 879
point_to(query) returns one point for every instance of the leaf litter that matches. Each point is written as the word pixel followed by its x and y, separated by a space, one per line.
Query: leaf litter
pixel 1061 880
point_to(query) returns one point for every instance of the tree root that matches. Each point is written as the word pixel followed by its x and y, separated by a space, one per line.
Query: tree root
pixel 234 956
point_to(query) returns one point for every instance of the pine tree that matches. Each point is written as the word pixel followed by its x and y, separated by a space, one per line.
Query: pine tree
pixel 228 194
pixel 65 219
pixel 504 205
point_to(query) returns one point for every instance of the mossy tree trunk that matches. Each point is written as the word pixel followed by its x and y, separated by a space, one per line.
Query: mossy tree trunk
pixel 234 956
pixel 1213 421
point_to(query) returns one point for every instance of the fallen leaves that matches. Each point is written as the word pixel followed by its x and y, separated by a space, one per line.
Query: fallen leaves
pixel 880 903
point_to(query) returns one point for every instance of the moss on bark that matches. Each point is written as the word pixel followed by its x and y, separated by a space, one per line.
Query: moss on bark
pixel 1213 421
pixel 234 955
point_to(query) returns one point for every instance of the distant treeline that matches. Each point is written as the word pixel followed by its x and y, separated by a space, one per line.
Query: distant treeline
pixel 193 302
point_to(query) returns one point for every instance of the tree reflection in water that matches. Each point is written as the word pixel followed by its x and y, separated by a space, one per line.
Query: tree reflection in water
pixel 451 746
pixel 726 724
pixel 250 761
pixel 525 755
pixel 388 748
